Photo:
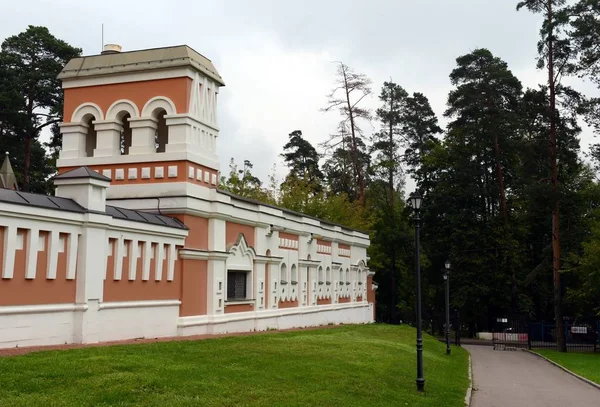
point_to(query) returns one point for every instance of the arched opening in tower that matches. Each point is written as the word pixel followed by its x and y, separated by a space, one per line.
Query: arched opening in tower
pixel 90 137
pixel 162 131
pixel 125 138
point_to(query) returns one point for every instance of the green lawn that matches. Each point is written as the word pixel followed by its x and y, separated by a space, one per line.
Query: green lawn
pixel 367 365
pixel 584 364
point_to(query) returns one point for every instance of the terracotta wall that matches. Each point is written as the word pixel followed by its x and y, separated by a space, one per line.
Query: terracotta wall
pixel 182 173
pixel 198 231
pixel 231 308
pixel 176 89
pixel 233 230
pixel 21 291
pixel 323 301
pixel 194 287
pixel 138 289
pixel 288 304
pixel 283 235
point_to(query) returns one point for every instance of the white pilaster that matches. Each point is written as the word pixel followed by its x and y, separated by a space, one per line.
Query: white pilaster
pixel 134 252
pixel 108 138
pixel 160 256
pixel 172 253
pixel 73 140
pixel 179 134
pixel 146 260
pixel 10 246
pixel 32 253
pixel 53 245
pixel 91 264
pixel 118 259
pixel 143 132
pixel 260 288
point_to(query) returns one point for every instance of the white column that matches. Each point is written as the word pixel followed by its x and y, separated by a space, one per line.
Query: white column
pixel 32 253
pixel 108 138
pixel 217 272
pixel 91 266
pixel 160 256
pixel 73 140
pixel 73 247
pixel 143 132
pixel 274 284
pixel 10 246
pixel 313 280
pixel 304 273
pixel 53 245
pixel 133 256
pixel 260 289
pixel 179 134
pixel 171 262
pixel 118 259
pixel 146 260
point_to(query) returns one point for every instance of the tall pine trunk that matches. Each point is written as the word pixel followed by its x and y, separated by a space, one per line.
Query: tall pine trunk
pixel 355 162
pixel 504 210
pixel 560 330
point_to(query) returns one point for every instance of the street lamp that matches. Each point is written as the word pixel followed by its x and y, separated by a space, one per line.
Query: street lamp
pixel 415 202
pixel 447 281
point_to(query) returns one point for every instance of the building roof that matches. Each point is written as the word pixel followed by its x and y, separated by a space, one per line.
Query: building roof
pixel 40 201
pixel 69 205
pixel 140 60
pixel 144 217
pixel 289 211
pixel 82 172
pixel 8 178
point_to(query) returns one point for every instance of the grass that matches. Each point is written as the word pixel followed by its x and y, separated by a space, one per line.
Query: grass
pixel 366 365
pixel 584 364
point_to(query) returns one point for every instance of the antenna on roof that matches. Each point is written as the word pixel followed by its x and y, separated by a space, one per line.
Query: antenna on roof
pixel 102 47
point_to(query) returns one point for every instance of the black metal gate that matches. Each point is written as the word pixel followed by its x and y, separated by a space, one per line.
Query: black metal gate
pixel 581 334
pixel 510 334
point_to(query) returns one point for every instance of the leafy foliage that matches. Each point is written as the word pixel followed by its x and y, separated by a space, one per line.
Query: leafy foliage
pixel 31 96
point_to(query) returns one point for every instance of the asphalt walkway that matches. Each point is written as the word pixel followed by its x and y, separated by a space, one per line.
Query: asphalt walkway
pixel 520 379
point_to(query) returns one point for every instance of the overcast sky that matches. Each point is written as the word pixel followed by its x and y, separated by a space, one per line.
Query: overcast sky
pixel 277 57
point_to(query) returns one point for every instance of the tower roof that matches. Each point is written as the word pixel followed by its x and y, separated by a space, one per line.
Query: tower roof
pixel 8 178
pixel 141 60
pixel 82 172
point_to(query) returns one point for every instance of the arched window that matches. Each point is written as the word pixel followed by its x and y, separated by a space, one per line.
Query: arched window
pixel 125 138
pixel 294 274
pixel 161 139
pixel 320 273
pixel 347 276
pixel 328 275
pixel 283 274
pixel 341 276
pixel 91 137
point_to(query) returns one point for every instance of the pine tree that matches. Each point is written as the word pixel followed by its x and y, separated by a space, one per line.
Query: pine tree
pixel 33 60
pixel 419 130
pixel 350 90
pixel 556 55
pixel 302 161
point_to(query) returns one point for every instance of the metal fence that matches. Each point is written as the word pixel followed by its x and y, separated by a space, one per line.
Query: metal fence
pixel 581 334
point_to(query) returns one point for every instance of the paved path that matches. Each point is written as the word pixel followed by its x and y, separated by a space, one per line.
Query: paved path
pixel 520 379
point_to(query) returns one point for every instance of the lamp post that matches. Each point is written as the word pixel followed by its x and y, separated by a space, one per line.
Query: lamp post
pixel 415 202
pixel 447 281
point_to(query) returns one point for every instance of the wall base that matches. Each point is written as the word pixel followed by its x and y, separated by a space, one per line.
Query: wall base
pixel 114 321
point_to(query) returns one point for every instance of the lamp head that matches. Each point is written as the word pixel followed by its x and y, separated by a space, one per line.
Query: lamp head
pixel 415 201
pixel 447 264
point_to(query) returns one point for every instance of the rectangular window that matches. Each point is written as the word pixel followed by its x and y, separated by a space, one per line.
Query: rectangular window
pixel 236 285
